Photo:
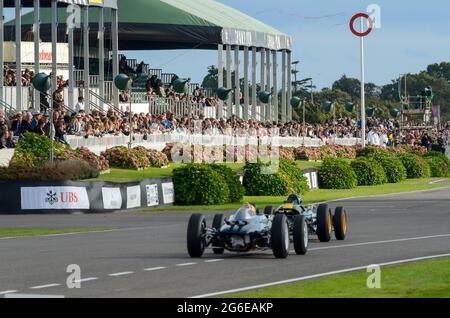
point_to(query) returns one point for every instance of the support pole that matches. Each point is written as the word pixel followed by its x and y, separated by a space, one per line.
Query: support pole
pixel 283 88
pixel 115 53
pixel 289 85
pixel 246 83
pixel 254 115
pixel 70 31
pixel 363 95
pixel 263 83
pixel 275 111
pixel 18 55
pixel 86 58
pixel 101 55
pixel 37 38
pixel 54 12
pixel 229 82
pixel 237 94
pixel 268 85
pixel 220 78
pixel 2 58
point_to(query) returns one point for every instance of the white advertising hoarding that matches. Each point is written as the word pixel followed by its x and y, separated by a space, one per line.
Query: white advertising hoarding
pixel 45 53
pixel 54 198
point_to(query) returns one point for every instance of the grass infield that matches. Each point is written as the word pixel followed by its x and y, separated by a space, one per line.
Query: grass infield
pixel 22 232
pixel 425 279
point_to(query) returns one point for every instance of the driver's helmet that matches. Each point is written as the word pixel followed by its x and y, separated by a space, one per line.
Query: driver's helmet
pixel 296 199
pixel 247 212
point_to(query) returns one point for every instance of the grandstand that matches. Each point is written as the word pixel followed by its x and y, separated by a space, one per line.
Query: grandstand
pixel 166 24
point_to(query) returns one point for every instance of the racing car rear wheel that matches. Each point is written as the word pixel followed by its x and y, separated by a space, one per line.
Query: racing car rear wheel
pixel 219 220
pixel 195 235
pixel 324 223
pixel 280 236
pixel 340 223
pixel 269 210
pixel 300 235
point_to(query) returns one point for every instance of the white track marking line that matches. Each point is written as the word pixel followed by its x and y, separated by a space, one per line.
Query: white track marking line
pixel 379 242
pixel 6 292
pixel 154 269
pixel 294 280
pixel 214 260
pixel 45 286
pixel 185 264
pixel 84 280
pixel 437 181
pixel 120 274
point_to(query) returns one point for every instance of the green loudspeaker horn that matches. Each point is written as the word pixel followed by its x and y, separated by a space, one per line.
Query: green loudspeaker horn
pixel 395 112
pixel 328 106
pixel 370 111
pixel 42 82
pixel 265 97
pixel 296 102
pixel 223 93
pixel 180 86
pixel 123 82
pixel 350 107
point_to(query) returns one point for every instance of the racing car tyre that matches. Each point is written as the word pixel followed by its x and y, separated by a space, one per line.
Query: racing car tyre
pixel 300 235
pixel 269 210
pixel 324 223
pixel 280 236
pixel 340 223
pixel 195 241
pixel 219 220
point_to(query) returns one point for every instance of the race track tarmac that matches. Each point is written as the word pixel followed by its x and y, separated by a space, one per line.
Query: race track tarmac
pixel 146 256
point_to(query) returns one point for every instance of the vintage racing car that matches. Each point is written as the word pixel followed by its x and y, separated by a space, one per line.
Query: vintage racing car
pixel 320 219
pixel 248 230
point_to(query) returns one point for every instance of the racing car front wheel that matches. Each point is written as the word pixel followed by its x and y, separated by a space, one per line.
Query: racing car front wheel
pixel 324 223
pixel 340 223
pixel 195 235
pixel 219 220
pixel 280 236
pixel 300 235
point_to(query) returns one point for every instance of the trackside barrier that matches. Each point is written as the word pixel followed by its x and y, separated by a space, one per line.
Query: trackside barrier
pixel 84 197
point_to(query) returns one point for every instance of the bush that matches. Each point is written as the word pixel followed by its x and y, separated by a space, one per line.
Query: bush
pixel 416 167
pixel 99 163
pixel 337 174
pixel 57 171
pixel 37 147
pixel 440 155
pixel 438 167
pixel 199 184
pixel 287 180
pixel 232 179
pixel 393 167
pixel 325 152
pixel 122 157
pixel 368 172
pixel 156 158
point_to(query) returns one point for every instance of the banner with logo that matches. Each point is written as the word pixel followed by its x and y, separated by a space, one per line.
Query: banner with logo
pixel 54 198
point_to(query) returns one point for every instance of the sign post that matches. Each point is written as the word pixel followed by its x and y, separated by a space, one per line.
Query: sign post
pixel 361 34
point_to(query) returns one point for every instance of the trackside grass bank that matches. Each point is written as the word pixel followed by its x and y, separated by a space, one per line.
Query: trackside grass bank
pixel 21 232
pixel 324 195
pixel 427 279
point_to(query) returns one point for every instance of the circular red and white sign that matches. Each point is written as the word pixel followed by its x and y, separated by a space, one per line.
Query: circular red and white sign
pixel 361 16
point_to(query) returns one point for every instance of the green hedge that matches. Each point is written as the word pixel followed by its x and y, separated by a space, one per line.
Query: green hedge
pixel 369 172
pixel 438 167
pixel 36 148
pixel 337 174
pixel 416 166
pixel 287 180
pixel 198 184
pixel 232 179
pixel 393 167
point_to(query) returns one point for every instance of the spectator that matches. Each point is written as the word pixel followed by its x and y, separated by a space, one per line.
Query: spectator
pixel 80 105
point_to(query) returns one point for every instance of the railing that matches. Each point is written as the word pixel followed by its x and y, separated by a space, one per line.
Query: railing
pixel 94 80
pixel 166 78
pixel 7 108
pixel 95 97
pixel 153 71
pixel 10 97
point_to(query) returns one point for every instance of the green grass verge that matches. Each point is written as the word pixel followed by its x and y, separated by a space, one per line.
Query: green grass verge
pixel 427 279
pixel 21 232
pixel 320 195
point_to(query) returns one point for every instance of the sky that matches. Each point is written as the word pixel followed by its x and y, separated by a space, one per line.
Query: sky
pixel 413 34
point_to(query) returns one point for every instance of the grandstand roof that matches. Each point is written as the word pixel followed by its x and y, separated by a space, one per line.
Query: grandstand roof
pixel 177 24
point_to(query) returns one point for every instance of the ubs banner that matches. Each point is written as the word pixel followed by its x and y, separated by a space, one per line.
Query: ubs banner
pixel 69 197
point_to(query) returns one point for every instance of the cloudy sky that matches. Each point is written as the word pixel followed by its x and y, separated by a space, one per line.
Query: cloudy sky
pixel 413 34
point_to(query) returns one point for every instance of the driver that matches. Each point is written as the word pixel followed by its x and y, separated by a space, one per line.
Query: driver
pixel 251 208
